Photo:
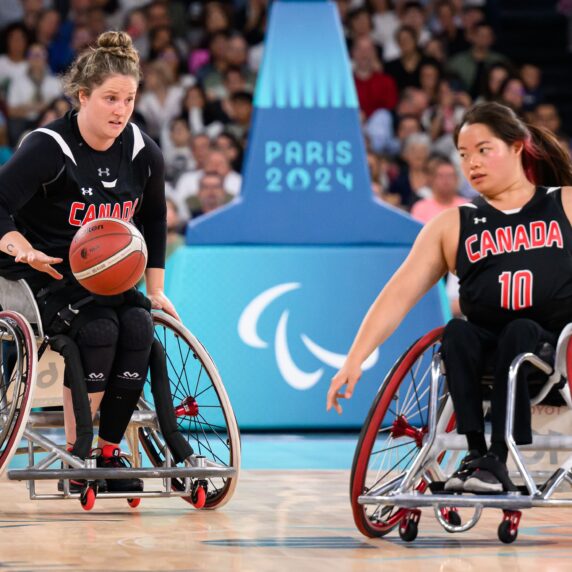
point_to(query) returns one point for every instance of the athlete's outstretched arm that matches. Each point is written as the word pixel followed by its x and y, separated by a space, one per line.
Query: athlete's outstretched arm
pixel 424 266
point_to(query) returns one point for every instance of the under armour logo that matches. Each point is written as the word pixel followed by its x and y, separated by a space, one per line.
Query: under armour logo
pixel 102 172
pixel 85 191
pixel 95 376
pixel 130 375
pixel 478 220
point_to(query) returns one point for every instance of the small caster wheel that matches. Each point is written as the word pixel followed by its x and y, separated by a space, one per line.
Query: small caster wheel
pixel 199 497
pixel 134 503
pixel 454 518
pixel 87 498
pixel 408 530
pixel 506 532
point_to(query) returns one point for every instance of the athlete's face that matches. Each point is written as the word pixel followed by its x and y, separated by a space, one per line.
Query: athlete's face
pixel 109 106
pixel 488 163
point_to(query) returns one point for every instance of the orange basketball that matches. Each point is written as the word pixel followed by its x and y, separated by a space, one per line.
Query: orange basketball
pixel 108 256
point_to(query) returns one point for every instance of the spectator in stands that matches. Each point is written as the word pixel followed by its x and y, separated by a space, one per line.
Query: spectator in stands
pixel 215 60
pixel 13 60
pixel 385 23
pixel 444 185
pixel 435 50
pixel 203 116
pixel 136 26
pixel 29 93
pixel 449 31
pixel 511 94
pixel 359 25
pixel 405 69
pixel 200 149
pixel 240 114
pixel 440 120
pixel 531 77
pixel 547 115
pixel 411 184
pixel 211 194
pixel 471 65
pixel 229 145
pixel 375 89
pixel 177 150
pixel 215 162
pixel 161 100
pixel 492 80
pixel 429 77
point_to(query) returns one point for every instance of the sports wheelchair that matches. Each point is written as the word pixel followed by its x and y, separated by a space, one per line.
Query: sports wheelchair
pixel 408 447
pixel 198 412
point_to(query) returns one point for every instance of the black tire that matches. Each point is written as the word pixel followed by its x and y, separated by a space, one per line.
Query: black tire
pixel 213 431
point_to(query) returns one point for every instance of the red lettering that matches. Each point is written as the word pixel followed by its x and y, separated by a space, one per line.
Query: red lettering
pixel 90 214
pixel 116 211
pixel 473 256
pixel 554 235
pixel 521 238
pixel 487 244
pixel 104 210
pixel 75 208
pixel 504 239
pixel 537 234
pixel 127 206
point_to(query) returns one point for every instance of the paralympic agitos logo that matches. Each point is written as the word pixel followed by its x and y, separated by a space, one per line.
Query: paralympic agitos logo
pixel 292 374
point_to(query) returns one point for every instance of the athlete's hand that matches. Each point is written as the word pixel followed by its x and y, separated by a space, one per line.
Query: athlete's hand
pixel 348 375
pixel 160 302
pixel 40 262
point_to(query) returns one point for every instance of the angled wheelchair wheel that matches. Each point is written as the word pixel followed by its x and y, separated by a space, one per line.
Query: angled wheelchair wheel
pixel 392 434
pixel 204 413
pixel 18 367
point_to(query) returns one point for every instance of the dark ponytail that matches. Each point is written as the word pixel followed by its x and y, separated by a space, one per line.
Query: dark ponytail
pixel 544 159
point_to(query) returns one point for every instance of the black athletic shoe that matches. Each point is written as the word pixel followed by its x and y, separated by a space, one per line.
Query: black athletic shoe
pixel 456 482
pixel 490 476
pixel 111 458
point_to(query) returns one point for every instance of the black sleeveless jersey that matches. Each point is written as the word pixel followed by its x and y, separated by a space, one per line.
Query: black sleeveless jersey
pixel 516 264
pixel 55 183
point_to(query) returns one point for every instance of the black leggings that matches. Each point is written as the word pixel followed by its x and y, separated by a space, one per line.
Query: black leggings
pixel 466 348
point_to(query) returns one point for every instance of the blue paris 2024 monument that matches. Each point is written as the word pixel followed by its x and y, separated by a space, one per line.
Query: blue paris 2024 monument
pixel 276 283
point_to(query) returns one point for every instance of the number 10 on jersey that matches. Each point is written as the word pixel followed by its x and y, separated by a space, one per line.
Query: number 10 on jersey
pixel 516 289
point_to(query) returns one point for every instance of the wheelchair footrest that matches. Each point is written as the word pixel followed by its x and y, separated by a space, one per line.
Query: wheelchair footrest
pixel 135 473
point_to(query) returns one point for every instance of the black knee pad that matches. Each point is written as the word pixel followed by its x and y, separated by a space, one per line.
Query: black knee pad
pixel 98 333
pixel 97 341
pixel 135 329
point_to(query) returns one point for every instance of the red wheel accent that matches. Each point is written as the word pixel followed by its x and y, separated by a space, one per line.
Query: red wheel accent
pixel 199 498
pixel 134 503
pixel 390 518
pixel 87 499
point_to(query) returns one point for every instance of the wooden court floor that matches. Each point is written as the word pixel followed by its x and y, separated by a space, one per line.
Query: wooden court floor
pixel 278 520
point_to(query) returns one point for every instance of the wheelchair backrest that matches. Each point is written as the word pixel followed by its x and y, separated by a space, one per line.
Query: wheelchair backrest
pixel 17 296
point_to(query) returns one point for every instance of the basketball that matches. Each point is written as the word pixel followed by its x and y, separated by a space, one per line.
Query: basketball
pixel 108 256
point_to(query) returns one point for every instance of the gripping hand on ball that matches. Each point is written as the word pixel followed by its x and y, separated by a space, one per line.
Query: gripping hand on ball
pixel 40 262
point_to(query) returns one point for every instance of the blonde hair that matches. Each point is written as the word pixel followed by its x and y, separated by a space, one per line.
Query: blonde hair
pixel 114 54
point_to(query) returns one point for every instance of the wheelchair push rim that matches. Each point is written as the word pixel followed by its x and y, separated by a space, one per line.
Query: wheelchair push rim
pixel 18 367
pixel 392 434
pixel 204 413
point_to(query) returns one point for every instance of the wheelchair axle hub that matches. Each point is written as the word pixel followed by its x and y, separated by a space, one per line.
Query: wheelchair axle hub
pixel 188 407
pixel 402 428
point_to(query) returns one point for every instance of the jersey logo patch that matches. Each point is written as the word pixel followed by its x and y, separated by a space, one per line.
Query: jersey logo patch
pixel 103 172
pixel 477 220
pixel 88 191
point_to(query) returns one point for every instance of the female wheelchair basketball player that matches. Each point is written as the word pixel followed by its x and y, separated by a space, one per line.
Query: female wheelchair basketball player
pixel 89 164
pixel 511 249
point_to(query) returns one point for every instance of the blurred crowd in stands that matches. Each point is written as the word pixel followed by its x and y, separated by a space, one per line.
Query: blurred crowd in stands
pixel 417 66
